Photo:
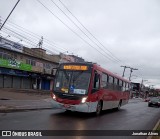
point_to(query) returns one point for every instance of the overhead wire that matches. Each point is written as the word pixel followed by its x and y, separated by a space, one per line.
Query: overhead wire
pixel 89 32
pixel 111 54
pixel 35 35
pixel 71 29
pixel 28 40
pixel 109 57
pixel 38 53
pixel 29 53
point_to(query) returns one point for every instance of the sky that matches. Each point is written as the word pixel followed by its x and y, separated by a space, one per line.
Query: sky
pixel 111 33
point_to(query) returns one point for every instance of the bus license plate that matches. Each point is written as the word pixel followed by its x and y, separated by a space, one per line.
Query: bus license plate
pixel 66 105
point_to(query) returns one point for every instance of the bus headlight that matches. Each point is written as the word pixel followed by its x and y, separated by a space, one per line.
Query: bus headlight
pixel 83 99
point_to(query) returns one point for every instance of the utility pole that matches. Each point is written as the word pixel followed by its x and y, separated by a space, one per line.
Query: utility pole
pixel 131 70
pixel 142 82
pixel 124 70
pixel 9 15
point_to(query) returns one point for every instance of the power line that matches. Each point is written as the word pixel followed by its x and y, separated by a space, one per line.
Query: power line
pixel 71 29
pixel 32 43
pixel 34 35
pixel 36 52
pixel 112 55
pixel 20 34
pixel 109 57
pixel 9 14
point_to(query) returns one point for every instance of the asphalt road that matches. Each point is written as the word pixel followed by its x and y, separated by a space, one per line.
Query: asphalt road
pixel 133 116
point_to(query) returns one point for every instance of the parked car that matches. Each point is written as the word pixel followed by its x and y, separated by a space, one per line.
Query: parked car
pixel 155 101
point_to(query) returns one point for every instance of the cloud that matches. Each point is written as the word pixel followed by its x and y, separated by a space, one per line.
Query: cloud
pixel 129 29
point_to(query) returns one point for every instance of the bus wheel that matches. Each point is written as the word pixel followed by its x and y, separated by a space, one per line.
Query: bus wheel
pixel 119 105
pixel 99 108
pixel 68 111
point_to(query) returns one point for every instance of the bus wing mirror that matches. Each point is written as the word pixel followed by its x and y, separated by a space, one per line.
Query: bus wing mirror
pixel 54 71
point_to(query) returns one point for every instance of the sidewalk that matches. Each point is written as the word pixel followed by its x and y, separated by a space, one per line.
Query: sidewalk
pixel 12 100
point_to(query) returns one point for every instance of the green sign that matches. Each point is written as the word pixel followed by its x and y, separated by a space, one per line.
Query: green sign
pixel 15 64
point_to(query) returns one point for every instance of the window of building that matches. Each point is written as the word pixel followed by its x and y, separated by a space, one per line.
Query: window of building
pixel 39 64
pixel 28 61
pixel 47 65
pixel 31 62
pixel 6 56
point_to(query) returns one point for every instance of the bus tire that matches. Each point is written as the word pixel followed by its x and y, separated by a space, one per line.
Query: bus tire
pixel 119 105
pixel 68 111
pixel 99 108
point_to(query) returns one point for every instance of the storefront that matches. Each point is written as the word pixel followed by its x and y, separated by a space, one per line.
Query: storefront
pixel 12 78
pixel 47 82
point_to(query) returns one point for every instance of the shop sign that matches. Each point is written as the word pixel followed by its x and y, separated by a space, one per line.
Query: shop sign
pixel 13 63
pixel 11 45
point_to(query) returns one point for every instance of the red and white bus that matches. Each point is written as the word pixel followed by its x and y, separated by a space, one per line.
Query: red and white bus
pixel 86 87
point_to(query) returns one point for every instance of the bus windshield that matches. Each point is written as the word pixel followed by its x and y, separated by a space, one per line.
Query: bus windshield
pixel 72 82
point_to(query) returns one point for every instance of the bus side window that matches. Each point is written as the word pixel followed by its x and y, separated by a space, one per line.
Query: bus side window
pixel 115 84
pixel 110 83
pixel 96 82
pixel 120 85
pixel 124 86
pixel 104 80
pixel 127 87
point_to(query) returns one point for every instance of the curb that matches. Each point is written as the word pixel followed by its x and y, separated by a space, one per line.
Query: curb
pixel 155 127
pixel 21 110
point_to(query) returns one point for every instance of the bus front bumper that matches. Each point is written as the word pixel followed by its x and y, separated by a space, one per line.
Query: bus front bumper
pixel 83 107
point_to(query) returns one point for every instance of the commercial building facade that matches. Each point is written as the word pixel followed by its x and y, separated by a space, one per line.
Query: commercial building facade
pixel 25 68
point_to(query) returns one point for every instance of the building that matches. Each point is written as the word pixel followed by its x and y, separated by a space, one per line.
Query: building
pixel 135 89
pixel 77 59
pixel 66 58
pixel 25 68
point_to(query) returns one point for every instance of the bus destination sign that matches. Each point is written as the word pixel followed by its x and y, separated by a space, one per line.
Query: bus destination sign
pixel 75 67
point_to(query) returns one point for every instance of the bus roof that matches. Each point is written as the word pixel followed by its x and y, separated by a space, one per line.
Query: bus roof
pixel 109 73
pixel 96 66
